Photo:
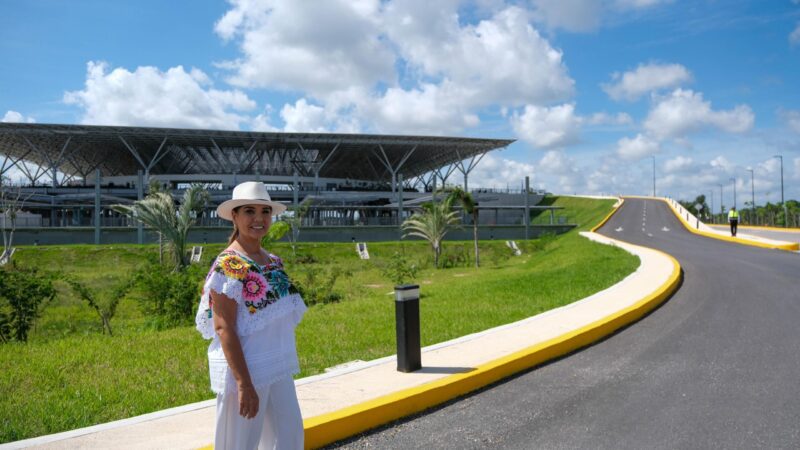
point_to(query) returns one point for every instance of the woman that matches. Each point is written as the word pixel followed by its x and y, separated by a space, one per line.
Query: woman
pixel 250 309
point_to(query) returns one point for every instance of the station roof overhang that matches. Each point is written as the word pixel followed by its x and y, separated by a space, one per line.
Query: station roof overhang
pixel 78 150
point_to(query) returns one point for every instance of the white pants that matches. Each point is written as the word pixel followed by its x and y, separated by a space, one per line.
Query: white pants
pixel 278 424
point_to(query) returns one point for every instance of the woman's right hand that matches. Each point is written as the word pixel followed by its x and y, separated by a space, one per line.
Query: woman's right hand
pixel 248 401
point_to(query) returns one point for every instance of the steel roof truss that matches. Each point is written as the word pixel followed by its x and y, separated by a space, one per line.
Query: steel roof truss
pixel 133 151
pixel 218 157
pixel 13 163
pixel 156 157
pixel 327 158
pixel 46 156
pixel 450 169
pixel 253 155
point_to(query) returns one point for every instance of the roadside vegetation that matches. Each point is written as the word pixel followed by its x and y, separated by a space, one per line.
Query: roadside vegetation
pixel 770 214
pixel 70 372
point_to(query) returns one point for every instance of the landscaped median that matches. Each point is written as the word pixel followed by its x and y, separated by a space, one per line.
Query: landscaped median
pixel 538 339
pixel 69 375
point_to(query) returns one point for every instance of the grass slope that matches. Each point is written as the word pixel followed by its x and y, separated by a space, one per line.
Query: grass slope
pixel 70 376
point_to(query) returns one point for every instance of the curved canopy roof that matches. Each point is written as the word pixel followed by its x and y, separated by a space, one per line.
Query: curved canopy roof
pixel 77 150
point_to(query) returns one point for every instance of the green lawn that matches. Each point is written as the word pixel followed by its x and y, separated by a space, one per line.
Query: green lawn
pixel 69 375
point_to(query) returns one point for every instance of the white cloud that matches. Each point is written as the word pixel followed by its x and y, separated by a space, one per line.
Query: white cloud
pixel 611 175
pixel 646 78
pixel 396 66
pixel 15 117
pixel 603 118
pixel 314 47
pixel 557 162
pixel 433 109
pixel 496 172
pixel 547 127
pixel 684 111
pixel 302 117
pixel 679 164
pixel 150 97
pixel 791 118
pixel 560 173
pixel 794 36
pixel 722 163
pixel 638 147
pixel 501 60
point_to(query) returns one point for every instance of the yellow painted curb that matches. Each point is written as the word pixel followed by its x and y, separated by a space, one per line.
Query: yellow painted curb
pixel 794 246
pixel 605 219
pixel 327 428
pixel 758 227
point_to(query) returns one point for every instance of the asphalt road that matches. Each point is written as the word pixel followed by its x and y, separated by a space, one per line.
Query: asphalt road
pixel 716 366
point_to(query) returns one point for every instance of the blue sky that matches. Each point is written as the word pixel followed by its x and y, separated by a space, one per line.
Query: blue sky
pixel 591 89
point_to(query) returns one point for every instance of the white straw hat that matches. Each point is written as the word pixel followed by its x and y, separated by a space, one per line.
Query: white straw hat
pixel 249 193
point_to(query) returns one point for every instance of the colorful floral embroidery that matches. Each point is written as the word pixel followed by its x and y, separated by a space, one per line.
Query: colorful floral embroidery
pixel 234 266
pixel 279 281
pixel 255 285
pixel 261 285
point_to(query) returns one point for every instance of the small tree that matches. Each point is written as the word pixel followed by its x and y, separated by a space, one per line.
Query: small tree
pixel 23 294
pixel 105 310
pixel 158 211
pixel 154 187
pixel 432 223
pixel 10 205
pixel 295 221
pixel 276 232
pixel 470 206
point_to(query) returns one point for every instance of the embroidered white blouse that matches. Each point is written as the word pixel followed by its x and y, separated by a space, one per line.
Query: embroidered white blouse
pixel 269 309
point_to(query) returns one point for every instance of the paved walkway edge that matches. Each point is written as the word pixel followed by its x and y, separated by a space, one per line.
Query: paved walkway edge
pixel 327 428
pixel 766 243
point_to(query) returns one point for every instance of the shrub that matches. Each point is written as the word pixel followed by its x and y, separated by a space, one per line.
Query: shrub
pixel 303 258
pixel 24 292
pixel 316 284
pixel 497 253
pixel 399 270
pixel 455 256
pixel 169 298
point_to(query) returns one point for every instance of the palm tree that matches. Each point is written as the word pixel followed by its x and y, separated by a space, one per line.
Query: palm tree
pixel 470 207
pixel 432 224
pixel 157 210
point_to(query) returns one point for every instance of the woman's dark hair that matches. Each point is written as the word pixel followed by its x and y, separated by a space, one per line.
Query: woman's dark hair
pixel 235 233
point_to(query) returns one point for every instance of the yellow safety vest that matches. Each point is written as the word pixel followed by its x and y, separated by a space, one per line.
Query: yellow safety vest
pixel 733 215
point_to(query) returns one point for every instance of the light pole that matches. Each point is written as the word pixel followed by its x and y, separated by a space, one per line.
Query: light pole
pixel 753 196
pixel 654 175
pixel 734 191
pixel 711 206
pixel 785 214
pixel 721 202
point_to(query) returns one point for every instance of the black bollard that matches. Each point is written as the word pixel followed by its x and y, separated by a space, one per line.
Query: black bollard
pixel 406 308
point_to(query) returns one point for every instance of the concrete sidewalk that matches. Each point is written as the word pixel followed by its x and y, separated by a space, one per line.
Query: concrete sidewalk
pixel 696 226
pixel 356 398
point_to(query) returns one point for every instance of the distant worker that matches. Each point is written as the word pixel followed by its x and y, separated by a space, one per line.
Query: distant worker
pixel 733 218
